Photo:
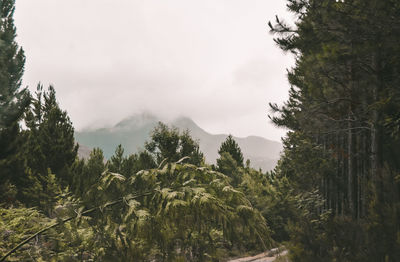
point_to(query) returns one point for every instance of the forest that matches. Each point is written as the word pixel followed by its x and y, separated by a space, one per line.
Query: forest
pixel 333 196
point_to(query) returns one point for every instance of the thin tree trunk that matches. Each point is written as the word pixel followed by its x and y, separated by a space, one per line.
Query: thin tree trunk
pixel 350 182
pixel 375 118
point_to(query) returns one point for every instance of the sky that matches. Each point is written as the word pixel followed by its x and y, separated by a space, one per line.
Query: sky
pixel 211 60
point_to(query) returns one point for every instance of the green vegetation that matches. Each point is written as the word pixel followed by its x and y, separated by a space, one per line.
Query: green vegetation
pixel 341 155
pixel 334 195
pixel 230 146
pixel 263 153
pixel 167 211
pixel 163 203
pixel 13 101
pixel 168 144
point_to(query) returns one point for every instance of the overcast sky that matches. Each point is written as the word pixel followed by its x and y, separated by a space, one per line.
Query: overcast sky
pixel 211 60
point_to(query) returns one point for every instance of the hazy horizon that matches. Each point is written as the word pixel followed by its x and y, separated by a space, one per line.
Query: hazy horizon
pixel 212 61
pixel 169 121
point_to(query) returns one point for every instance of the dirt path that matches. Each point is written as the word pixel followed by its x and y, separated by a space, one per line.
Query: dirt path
pixel 268 256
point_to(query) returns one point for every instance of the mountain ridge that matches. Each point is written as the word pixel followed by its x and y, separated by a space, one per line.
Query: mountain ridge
pixel 132 132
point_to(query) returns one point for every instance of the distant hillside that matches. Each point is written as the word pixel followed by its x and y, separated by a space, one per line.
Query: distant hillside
pixel 84 151
pixel 134 131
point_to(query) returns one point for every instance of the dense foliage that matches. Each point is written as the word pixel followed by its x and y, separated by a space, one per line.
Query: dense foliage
pixel 342 153
pixel 168 144
pixel 161 204
pixel 187 212
pixel 176 211
pixel 12 60
pixel 334 195
pixel 13 101
pixel 231 147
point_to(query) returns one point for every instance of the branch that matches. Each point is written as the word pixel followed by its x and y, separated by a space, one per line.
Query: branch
pixel 69 219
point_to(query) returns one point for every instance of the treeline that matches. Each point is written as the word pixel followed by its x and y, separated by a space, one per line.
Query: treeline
pixel 161 204
pixel 334 195
pixel 342 153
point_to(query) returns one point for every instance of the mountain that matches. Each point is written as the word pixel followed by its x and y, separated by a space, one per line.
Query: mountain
pixel 84 151
pixel 134 131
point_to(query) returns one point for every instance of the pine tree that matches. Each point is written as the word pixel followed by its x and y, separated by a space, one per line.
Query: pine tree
pixel 231 146
pixel 129 166
pixel 145 161
pixel 49 151
pixel 344 88
pixel 117 161
pixel 168 143
pixel 90 173
pixel 13 100
pixel 50 135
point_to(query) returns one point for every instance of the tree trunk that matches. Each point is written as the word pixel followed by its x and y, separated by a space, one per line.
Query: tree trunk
pixel 375 118
pixel 350 182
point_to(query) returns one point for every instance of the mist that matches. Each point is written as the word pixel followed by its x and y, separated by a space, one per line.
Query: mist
pixel 213 61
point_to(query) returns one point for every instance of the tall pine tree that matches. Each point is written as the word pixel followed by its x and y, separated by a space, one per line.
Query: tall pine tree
pixel 13 100
pixel 49 149
pixel 50 136
pixel 231 146
pixel 342 113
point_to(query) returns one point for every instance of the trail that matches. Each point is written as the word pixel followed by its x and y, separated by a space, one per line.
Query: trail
pixel 267 256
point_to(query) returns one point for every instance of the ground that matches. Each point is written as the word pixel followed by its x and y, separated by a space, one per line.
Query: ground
pixel 268 256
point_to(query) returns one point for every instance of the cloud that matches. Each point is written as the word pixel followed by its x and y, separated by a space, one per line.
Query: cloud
pixel 210 60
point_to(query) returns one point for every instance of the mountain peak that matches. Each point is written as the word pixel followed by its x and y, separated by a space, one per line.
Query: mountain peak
pixel 184 122
pixel 133 131
pixel 137 120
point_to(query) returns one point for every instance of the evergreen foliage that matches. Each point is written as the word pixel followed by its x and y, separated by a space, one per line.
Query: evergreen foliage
pixel 167 143
pixel 12 60
pixel 228 165
pixel 342 115
pixel 13 100
pixel 231 147
pixel 50 136
pixel 162 204
pixel 115 164
pixel 88 173
pixel 334 196
pixel 193 214
pixel 48 151
pixel 130 165
pixel 73 241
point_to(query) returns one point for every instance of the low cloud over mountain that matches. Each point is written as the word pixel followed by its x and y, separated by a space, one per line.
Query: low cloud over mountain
pixel 134 131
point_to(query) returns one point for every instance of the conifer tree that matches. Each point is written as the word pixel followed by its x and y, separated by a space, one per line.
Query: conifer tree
pixel 168 143
pixel 117 161
pixel 51 133
pixel 87 173
pixel 130 165
pixel 145 161
pixel 49 146
pixel 13 100
pixel 231 146
pixel 342 114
